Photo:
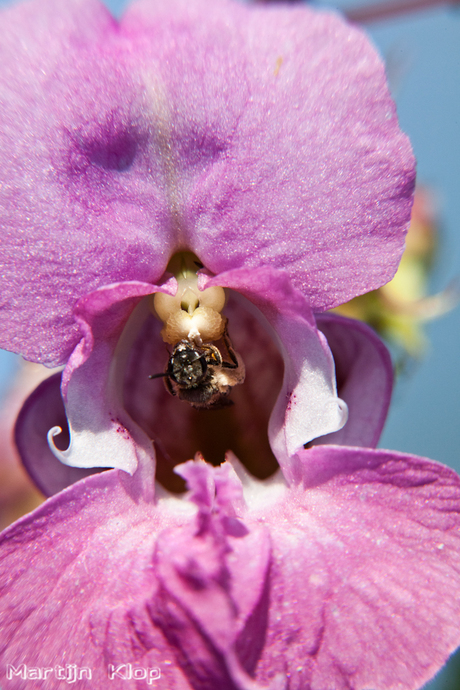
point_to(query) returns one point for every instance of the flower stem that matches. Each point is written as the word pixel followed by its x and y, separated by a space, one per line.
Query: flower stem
pixel 366 14
pixel 378 11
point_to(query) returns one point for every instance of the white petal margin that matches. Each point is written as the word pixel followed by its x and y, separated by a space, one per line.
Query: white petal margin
pixel 102 434
pixel 307 405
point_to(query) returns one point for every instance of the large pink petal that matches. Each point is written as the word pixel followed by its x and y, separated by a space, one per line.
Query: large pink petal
pixel 349 580
pixel 251 136
pixel 82 204
pixel 285 145
pixel 75 578
pixel 365 589
pixel 364 379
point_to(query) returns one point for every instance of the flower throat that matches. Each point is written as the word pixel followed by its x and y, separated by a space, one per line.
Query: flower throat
pixel 198 371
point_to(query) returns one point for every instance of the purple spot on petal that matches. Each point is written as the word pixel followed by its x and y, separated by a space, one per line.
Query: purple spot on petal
pixel 116 153
pixel 291 401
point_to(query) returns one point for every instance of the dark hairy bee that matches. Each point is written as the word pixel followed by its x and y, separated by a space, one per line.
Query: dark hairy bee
pixel 199 375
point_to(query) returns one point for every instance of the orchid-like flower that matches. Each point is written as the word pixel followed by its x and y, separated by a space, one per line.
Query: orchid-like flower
pixel 277 161
pixel 207 177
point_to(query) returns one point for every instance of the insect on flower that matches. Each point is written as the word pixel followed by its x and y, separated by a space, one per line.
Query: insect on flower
pixel 122 144
pixel 196 371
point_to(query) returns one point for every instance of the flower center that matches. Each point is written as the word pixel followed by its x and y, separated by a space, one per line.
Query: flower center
pixel 191 314
pixel 197 371
pixel 181 417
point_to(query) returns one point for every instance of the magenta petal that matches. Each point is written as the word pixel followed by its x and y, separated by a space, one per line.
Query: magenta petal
pixel 248 135
pixel 42 410
pixel 364 379
pixel 347 581
pixel 81 200
pixel 366 572
pixel 76 576
pixel 285 137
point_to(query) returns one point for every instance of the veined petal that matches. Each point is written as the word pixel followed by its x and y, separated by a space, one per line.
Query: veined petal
pixel 349 580
pixel 251 136
pixel 366 572
pixel 284 148
pixel 364 374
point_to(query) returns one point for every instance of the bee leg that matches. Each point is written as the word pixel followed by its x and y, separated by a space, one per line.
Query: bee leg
pixel 169 386
pixel 230 351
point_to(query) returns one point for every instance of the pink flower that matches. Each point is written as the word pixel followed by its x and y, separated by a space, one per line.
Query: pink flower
pixel 264 141
pixel 261 139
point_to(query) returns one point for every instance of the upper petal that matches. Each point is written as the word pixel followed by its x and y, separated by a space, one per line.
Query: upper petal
pixel 284 143
pixel 247 135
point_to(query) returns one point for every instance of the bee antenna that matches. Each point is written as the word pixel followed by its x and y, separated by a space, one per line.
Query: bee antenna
pixel 158 376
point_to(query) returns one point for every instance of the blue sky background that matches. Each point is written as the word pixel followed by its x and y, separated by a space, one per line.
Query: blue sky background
pixel 425 47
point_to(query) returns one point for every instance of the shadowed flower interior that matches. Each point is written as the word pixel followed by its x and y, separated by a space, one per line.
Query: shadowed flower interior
pixel 178 429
